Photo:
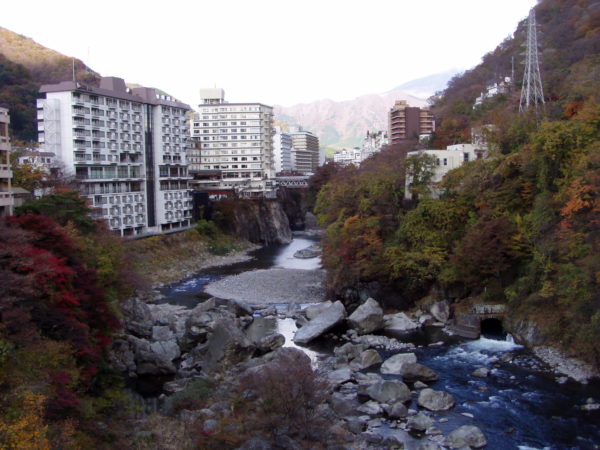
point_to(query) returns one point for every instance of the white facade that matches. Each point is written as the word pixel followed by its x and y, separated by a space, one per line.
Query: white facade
pixel 446 160
pixel 373 143
pixel 346 157
pixel 6 197
pixel 282 147
pixel 237 140
pixel 126 148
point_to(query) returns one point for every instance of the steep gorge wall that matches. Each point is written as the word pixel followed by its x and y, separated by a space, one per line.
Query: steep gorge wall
pixel 259 221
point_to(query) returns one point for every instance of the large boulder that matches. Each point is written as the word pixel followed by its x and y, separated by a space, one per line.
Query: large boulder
pixel 412 372
pixel 137 318
pixel 393 365
pixel 270 342
pixel 419 422
pixel 389 391
pixel 367 318
pixel 441 311
pixel 154 358
pixel 466 436
pixel 368 358
pixel 313 311
pixel 227 345
pixel 339 376
pixel 399 322
pixel 435 400
pixel 322 323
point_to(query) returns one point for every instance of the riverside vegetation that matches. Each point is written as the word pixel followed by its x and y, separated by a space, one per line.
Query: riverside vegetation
pixel 64 277
pixel 520 227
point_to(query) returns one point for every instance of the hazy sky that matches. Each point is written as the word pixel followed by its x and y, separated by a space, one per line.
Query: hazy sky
pixel 270 51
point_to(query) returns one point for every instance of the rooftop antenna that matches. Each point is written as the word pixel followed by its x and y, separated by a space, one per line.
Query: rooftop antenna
pixel 73 62
pixel 532 93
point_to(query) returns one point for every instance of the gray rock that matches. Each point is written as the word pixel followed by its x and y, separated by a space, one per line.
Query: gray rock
pixel 270 343
pixel 368 358
pixel 355 425
pixel 309 252
pixel 428 446
pixel 367 318
pixel 389 391
pixel 419 385
pixel 313 311
pixel 419 422
pixel 371 408
pixel 256 443
pixel 162 333
pixel 466 436
pixel 343 405
pixel 435 400
pixel 397 411
pixel 339 376
pixel 394 364
pixel 348 350
pixel 154 358
pixel 227 345
pixel 417 372
pixel 441 311
pixel 122 356
pixel 481 372
pixel 210 425
pixel 399 322
pixel 322 323
pixel 137 317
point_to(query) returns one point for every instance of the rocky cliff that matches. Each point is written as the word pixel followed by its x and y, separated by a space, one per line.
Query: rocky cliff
pixel 260 221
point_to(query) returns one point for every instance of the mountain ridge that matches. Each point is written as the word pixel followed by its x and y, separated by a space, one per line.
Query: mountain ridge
pixel 344 123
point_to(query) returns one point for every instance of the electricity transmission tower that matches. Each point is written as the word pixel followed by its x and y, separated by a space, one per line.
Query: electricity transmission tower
pixel 532 93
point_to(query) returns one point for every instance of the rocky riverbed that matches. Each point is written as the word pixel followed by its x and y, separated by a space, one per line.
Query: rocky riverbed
pixel 271 286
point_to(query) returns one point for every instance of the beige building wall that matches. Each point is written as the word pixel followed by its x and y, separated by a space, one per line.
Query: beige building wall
pixel 6 199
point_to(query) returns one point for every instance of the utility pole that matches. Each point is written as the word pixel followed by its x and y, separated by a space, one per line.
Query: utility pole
pixel 532 93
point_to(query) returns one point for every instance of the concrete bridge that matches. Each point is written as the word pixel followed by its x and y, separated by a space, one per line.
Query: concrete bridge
pixel 480 317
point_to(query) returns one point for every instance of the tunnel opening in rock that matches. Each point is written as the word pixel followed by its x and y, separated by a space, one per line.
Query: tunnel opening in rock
pixel 492 328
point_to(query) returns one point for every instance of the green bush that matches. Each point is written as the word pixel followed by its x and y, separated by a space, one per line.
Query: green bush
pixel 207 229
pixel 194 396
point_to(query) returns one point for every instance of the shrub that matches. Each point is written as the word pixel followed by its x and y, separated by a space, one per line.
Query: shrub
pixel 194 396
pixel 208 229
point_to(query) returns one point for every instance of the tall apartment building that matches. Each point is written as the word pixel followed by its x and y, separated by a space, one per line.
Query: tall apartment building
pixel 236 140
pixel 409 122
pixel 126 149
pixel 6 199
pixel 282 150
pixel 305 150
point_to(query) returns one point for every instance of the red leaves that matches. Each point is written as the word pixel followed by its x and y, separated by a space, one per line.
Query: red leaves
pixel 63 299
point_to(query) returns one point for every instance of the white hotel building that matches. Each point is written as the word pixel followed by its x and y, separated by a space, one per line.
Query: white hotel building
pixel 235 143
pixel 125 147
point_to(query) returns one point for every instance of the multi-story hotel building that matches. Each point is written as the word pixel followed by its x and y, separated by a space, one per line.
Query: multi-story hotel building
pixel 125 147
pixel 6 199
pixel 408 122
pixel 282 148
pixel 305 151
pixel 236 140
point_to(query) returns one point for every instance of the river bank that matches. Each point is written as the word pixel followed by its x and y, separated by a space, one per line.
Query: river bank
pixel 168 259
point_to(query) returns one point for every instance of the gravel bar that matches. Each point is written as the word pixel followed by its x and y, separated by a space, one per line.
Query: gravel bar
pixel 260 287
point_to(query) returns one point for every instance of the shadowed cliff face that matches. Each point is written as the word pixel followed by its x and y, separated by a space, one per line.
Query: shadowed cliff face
pixel 259 221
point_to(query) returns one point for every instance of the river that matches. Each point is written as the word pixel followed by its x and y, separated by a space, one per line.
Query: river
pixel 518 406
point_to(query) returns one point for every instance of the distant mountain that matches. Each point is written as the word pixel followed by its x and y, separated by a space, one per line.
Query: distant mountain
pixel 342 124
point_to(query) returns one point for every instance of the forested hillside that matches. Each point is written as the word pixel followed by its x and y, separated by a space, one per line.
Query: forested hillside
pixel 24 66
pixel 521 227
